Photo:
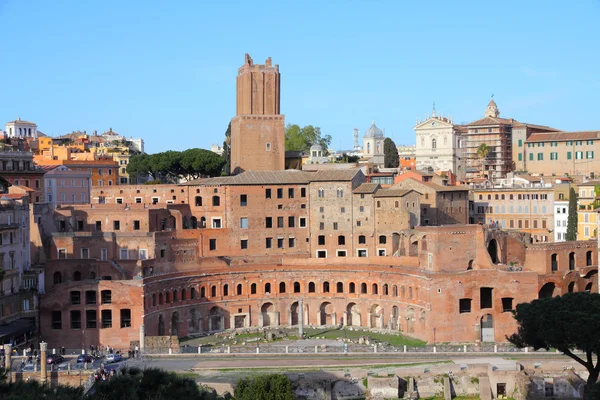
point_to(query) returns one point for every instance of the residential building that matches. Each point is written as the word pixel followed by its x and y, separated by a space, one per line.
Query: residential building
pixel 66 186
pixel 521 134
pixel 103 169
pixel 18 169
pixel 522 207
pixel 587 210
pixel 561 218
pixel 562 153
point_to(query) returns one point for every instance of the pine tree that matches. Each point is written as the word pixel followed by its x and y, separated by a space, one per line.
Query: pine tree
pixel 390 154
pixel 227 151
pixel 572 221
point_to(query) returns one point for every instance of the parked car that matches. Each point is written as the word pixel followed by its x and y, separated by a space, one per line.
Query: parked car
pixel 83 358
pixel 111 358
pixel 29 367
pixel 54 359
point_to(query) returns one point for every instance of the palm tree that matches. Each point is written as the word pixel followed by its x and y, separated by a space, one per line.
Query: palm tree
pixel 482 152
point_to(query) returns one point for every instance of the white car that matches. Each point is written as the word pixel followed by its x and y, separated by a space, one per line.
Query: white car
pixel 111 358
pixel 29 367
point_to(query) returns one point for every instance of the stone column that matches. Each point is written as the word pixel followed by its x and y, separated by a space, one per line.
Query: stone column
pixel 8 360
pixel 43 353
pixel 300 318
pixel 345 318
pixel 334 318
pixel 142 337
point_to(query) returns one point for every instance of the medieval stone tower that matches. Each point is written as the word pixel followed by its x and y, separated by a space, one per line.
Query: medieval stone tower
pixel 258 129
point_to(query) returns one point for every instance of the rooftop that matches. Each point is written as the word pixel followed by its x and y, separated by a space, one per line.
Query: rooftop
pixel 366 188
pixel 563 136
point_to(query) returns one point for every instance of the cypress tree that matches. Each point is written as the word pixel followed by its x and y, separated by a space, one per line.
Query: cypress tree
pixel 572 221
pixel 391 159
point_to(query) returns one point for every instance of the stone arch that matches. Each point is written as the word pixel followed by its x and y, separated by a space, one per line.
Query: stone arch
pixel 267 287
pixel 175 323
pixel 193 293
pixel 202 292
pixel 394 319
pixel 548 290
pixel 494 251
pixel 353 314
pixel 183 295
pixel 591 273
pixel 375 316
pixel 167 297
pixel 589 258
pixel 326 287
pixel 294 310
pixel 351 287
pixel 339 287
pixel 311 287
pixel 92 275
pixel 216 320
pixel 253 288
pixel 403 292
pixel 470 265
pixel 363 288
pixel 410 320
pixel 161 325
pixel 239 289
pixel 374 289
pixel 225 290
pixel 267 311
pixel 386 291
pixel 554 262
pixel 395 291
pixel 160 298
pixel 281 287
pixel 192 323
pixel 588 287
pixel 571 288
pixel 326 314
pixel 57 278
pixel 297 287
pixel 572 261
pixel 413 248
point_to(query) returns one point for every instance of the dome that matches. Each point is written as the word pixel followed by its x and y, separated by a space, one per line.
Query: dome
pixel 316 147
pixel 373 131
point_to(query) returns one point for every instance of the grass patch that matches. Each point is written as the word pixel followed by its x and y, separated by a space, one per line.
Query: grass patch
pixel 394 340
pixel 333 368
pixel 191 375
pixel 365 382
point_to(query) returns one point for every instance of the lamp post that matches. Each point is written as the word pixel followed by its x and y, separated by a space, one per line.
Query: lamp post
pixel 434 329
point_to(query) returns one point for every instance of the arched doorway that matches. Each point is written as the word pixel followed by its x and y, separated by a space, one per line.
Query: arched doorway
pixel 216 319
pixel 353 315
pixel 410 320
pixel 470 266
pixel 547 290
pixel 588 287
pixel 375 320
pixel 325 314
pixel 192 323
pixel 572 261
pixel 571 287
pixel 493 251
pixel 588 258
pixel 175 324
pixel 394 324
pixel 487 328
pixel 267 314
pixel 161 326
pixel 294 313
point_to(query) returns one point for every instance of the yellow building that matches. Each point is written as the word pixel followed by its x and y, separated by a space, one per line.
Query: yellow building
pixel 587 214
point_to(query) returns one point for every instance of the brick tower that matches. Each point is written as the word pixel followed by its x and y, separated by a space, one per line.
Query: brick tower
pixel 258 129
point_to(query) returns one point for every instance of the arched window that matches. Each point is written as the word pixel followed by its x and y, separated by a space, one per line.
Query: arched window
pixel 167 297
pixel 395 291
pixel 352 287
pixel 154 300
pixel 374 289
pixel 267 287
pixel 225 290
pixel 198 201
pixel 183 295
pixel 311 287
pixel 76 276
pixel 363 288
pixel 282 287
pixel 340 287
pixel 296 287
pixel 362 239
pixel 341 240
pixel 92 275
pixel 253 288
pixel 396 204
pixel 382 239
pixel 433 143
pixel 410 292
pixel 321 192
pixel 160 298
pixel 193 293
pixel 340 192
pixel 325 287
pixel 216 201
pixel 175 296
pixel 588 258
pixel 213 291
pixel 403 290
pixel 385 289
pixel 368 148
pixel 238 289
pixel 202 292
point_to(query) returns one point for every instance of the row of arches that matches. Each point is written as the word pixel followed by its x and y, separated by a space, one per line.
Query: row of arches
pixel 587 283
pixel 404 292
pixel 555 265
pixel 57 277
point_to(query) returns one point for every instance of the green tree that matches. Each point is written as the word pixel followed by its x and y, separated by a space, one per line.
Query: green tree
pixel 149 384
pixel 171 165
pixel 265 387
pixel 33 390
pixel 301 139
pixel 227 151
pixel 572 220
pixel 482 152
pixel 566 323
pixel 391 159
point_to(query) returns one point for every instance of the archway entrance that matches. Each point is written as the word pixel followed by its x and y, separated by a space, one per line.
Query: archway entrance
pixel 267 314
pixel 161 326
pixel 175 324
pixel 547 290
pixel 375 320
pixel 353 315
pixel 493 251
pixel 325 314
pixel 487 328
pixel 294 313
pixel 216 319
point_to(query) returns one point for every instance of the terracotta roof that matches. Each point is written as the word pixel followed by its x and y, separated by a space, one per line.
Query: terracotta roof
pixel 547 128
pixel 562 136
pixel 24 188
pixel 393 192
pixel 20 121
pixel 291 176
pixel 492 121
pixel 431 185
pixel 591 183
pixel 364 188
pixel 334 175
pixel 48 168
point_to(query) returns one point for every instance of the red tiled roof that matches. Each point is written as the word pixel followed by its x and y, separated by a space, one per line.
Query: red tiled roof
pixel 562 136
pixel 492 121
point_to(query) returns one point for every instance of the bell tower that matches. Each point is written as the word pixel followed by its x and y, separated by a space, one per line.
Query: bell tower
pixel 258 129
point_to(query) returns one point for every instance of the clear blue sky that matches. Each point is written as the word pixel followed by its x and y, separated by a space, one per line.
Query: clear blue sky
pixel 165 70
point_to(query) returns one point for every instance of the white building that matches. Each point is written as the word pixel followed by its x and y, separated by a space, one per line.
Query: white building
pixel 21 129
pixel 66 186
pixel 373 144
pixel 561 217
pixel 439 145
pixel 215 148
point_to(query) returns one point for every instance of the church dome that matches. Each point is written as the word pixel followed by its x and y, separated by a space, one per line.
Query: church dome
pixel 373 131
